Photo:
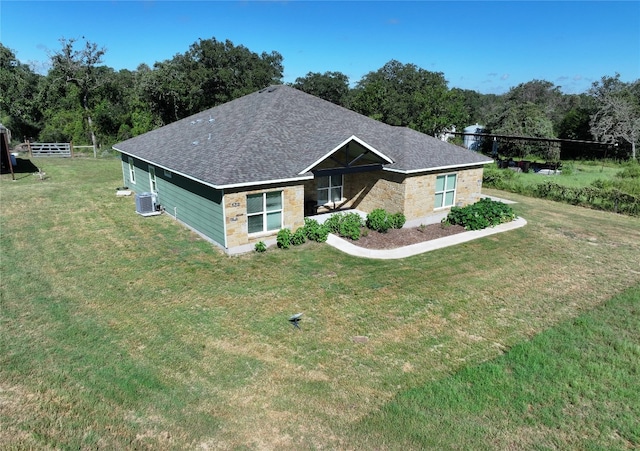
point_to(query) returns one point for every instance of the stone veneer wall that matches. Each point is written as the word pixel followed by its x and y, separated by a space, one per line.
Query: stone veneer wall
pixel 420 191
pixel 413 195
pixel 235 208
pixel 469 189
pixel 380 189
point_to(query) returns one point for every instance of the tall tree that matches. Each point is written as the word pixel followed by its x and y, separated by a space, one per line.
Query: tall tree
pixel 208 74
pixel 18 89
pixel 330 86
pixel 528 110
pixel 525 120
pixel 478 107
pixel 79 68
pixel 575 122
pixel 406 95
pixel 618 111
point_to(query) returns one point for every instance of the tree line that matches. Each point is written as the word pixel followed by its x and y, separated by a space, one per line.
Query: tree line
pixel 84 101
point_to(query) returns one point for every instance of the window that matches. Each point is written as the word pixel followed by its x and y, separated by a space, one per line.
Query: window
pixel 152 179
pixel 445 190
pixel 132 171
pixel 167 174
pixel 264 212
pixel 329 189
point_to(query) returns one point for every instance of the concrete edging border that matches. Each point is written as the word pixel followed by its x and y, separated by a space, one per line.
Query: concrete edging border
pixel 419 248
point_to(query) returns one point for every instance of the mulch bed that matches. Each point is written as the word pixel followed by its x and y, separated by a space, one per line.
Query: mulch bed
pixel 395 238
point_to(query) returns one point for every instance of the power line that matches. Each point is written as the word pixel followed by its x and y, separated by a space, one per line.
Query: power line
pixel 531 138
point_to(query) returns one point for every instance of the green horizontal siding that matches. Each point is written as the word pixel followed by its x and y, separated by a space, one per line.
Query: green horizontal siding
pixel 195 204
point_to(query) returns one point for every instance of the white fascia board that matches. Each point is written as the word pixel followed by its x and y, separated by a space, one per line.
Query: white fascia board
pixel 438 168
pixel 167 169
pixel 343 143
pixel 221 187
pixel 266 182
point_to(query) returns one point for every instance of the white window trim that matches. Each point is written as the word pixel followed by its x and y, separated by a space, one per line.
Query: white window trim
pixel 328 189
pixel 153 181
pixel 132 171
pixel 445 191
pixel 264 212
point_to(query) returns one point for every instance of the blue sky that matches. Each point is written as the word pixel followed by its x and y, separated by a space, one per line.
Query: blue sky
pixel 485 46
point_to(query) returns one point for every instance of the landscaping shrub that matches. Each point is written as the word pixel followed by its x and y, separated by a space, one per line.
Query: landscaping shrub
pixel 378 220
pixel 260 246
pixel 283 239
pixel 333 223
pixel 484 213
pixel 397 220
pixel 345 224
pixel 350 226
pixel 299 237
pixel 315 231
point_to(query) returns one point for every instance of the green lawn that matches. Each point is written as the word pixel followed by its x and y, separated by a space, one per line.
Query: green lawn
pixel 118 331
pixel 580 174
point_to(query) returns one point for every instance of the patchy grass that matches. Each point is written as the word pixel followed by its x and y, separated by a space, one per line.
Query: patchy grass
pixel 573 386
pixel 120 331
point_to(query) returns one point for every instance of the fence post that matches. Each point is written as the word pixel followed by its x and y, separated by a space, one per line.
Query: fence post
pixel 71 148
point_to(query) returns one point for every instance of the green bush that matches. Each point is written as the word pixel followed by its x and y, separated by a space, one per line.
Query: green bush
pixel 397 220
pixel 351 225
pixel 377 220
pixel 333 223
pixel 617 196
pixel 283 239
pixel 345 224
pixel 260 246
pixel 498 178
pixel 315 231
pixel 299 237
pixel 484 213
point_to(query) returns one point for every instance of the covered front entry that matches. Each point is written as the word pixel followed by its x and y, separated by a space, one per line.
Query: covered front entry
pixel 338 177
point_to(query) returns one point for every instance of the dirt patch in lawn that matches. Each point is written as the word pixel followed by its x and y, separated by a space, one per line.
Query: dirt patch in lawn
pixel 395 238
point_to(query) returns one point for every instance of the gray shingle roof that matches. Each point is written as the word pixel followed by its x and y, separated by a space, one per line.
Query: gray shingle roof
pixel 276 133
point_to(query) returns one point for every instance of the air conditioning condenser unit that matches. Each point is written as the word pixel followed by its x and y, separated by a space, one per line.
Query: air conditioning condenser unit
pixel 146 204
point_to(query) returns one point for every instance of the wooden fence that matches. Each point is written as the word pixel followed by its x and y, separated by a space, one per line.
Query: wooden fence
pixel 50 149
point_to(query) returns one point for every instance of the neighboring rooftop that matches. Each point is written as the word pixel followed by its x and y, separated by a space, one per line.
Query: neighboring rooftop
pixel 277 132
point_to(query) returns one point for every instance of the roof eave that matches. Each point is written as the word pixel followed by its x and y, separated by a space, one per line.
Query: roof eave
pixel 437 168
pixel 214 186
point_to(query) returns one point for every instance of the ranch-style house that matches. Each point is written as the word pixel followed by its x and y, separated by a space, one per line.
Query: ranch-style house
pixel 239 172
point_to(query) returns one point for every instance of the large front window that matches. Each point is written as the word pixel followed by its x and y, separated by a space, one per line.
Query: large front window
pixel 264 211
pixel 329 189
pixel 445 190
